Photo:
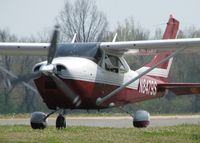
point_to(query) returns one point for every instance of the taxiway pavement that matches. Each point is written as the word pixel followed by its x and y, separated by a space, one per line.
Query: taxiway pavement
pixel 119 122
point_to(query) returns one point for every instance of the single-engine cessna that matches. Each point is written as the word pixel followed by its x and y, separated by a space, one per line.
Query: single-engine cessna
pixel 96 75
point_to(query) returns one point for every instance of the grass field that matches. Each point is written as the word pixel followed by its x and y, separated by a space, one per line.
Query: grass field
pixel 174 134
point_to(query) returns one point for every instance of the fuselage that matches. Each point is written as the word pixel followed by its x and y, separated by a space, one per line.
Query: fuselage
pixel 90 79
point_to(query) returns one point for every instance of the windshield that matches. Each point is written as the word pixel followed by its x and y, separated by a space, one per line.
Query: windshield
pixel 88 50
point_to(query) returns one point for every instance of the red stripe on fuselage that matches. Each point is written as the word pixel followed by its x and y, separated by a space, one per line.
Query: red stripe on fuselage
pixel 88 92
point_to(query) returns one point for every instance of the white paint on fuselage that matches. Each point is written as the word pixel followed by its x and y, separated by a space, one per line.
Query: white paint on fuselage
pixel 86 70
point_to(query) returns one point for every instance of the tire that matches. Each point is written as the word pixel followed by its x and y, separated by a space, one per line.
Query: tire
pixel 60 122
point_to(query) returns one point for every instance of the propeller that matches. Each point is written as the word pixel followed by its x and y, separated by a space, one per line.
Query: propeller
pixel 53 46
pixel 50 70
pixel 67 91
pixel 8 82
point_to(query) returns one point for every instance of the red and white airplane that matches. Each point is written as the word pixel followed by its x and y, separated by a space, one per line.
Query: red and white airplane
pixel 96 75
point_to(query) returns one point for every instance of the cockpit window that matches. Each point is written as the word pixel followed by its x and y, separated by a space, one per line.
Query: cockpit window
pixel 113 64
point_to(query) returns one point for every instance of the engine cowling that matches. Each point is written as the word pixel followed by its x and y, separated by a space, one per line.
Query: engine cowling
pixel 141 119
pixel 38 120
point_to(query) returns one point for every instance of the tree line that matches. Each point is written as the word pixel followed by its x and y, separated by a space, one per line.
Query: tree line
pixel 91 25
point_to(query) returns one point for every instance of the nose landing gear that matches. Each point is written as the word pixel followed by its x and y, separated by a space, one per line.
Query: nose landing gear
pixel 60 122
pixel 39 120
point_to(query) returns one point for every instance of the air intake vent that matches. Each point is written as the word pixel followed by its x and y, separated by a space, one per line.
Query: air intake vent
pixel 60 68
pixel 37 68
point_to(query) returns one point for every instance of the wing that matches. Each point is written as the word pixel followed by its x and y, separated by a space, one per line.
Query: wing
pixel 34 49
pixel 181 88
pixel 151 46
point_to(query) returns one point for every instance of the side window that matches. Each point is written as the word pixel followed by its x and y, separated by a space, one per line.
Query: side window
pixel 113 64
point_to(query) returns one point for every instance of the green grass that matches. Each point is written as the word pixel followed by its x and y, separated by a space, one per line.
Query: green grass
pixel 174 134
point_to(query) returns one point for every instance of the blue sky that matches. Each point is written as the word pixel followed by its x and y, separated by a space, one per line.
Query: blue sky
pixel 29 17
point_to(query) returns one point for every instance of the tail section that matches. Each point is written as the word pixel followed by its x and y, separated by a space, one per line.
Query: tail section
pixel 171 29
pixel 162 71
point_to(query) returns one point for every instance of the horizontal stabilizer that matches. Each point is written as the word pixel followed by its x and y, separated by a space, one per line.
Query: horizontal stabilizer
pixel 181 88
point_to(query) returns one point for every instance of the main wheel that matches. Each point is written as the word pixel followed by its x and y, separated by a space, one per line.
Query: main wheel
pixel 60 122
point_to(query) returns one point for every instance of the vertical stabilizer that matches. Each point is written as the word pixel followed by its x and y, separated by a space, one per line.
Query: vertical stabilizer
pixel 162 71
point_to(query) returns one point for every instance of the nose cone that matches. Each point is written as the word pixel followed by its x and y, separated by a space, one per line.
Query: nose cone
pixel 47 68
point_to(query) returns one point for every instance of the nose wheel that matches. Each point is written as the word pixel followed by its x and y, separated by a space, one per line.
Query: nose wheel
pixel 60 122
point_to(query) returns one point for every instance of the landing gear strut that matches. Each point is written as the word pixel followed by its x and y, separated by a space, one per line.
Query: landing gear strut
pixel 39 120
pixel 60 122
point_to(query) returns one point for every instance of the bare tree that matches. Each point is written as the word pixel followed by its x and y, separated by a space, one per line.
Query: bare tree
pixel 25 64
pixel 129 31
pixel 6 62
pixel 158 34
pixel 22 97
pixel 83 18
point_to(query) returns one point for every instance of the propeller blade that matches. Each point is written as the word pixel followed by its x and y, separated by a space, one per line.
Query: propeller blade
pixel 10 83
pixel 53 46
pixel 25 78
pixel 67 90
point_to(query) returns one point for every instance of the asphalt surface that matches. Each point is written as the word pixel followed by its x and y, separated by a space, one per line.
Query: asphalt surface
pixel 119 122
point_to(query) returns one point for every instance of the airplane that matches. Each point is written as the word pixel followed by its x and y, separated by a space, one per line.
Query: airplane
pixel 95 75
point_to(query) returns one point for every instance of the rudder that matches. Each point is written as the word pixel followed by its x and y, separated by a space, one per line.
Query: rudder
pixel 162 71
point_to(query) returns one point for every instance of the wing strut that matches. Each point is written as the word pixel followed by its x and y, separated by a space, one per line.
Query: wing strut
pixel 100 100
